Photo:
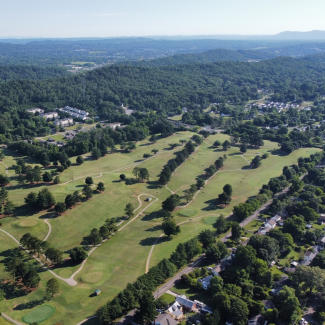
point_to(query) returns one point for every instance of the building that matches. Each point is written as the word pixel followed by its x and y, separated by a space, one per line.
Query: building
pixel 114 125
pixel 64 122
pixel 50 115
pixel 35 110
pixel 75 112
pixel 205 282
pixel 164 319
pixel 187 304
pixel 176 310
pixel 308 258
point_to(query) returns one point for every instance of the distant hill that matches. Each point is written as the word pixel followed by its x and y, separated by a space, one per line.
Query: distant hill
pixel 294 35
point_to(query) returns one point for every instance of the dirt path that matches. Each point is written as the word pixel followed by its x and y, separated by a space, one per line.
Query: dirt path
pixel 10 320
pixel 50 230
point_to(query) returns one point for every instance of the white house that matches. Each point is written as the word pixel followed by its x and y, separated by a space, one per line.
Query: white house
pixel 35 110
pixel 50 115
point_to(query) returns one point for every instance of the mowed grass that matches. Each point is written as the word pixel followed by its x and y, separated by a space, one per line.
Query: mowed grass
pixel 122 259
pixel 39 314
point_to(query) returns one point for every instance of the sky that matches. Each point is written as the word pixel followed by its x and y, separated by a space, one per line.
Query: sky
pixel 113 18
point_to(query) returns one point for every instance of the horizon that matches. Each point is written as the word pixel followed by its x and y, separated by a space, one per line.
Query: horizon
pixel 107 19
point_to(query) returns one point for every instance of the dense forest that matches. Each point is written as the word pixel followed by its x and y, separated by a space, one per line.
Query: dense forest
pixel 167 89
pixel 30 72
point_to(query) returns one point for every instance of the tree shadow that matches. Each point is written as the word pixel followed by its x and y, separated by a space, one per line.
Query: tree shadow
pixel 154 228
pixel 153 241
pixel 30 304
pixel 49 215
pixel 153 185
pixel 139 160
pixel 152 215
pixel 212 205
pixel 246 167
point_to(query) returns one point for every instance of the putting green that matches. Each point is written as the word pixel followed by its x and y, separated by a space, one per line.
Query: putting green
pixel 40 314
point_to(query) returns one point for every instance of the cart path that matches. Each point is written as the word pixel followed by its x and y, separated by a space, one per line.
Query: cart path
pixel 10 320
pixel 50 229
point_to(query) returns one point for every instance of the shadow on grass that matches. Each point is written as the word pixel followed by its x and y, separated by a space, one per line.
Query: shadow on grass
pixel 154 228
pixel 212 205
pixel 153 215
pixel 30 304
pixel 153 185
pixel 153 241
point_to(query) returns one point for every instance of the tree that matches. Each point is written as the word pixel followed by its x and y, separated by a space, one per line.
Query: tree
pixel 129 210
pixel 238 311
pixel 141 174
pixel 216 252
pixel 243 148
pixel 236 231
pixel 221 225
pixel 170 228
pixel 171 202
pixel 288 305
pixel 52 288
pixel 227 189
pixel 226 145
pixel 56 180
pixel 54 255
pixel 45 199
pixel 47 177
pixel 77 255
pixel 89 180
pixel 207 238
pixel 4 180
pixel 256 162
pixel 216 143
pixel 79 160
pixel 87 191
pixel 295 226
pixel 147 311
pixel 60 207
pixel 122 177
pixel 9 208
pixel 100 187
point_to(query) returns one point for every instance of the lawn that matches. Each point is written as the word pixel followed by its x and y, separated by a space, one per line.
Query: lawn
pixel 123 258
pixel 39 314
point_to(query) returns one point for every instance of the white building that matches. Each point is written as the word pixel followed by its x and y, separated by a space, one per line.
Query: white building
pixel 64 122
pixel 75 112
pixel 50 115
pixel 35 110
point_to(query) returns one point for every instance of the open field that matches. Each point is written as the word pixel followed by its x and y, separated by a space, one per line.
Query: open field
pixel 123 258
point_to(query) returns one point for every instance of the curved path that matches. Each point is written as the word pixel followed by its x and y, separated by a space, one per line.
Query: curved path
pixel 50 229
pixel 10 320
pixel 71 281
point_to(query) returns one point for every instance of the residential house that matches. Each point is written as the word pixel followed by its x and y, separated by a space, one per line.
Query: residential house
pixel 187 304
pixel 75 112
pixel 176 310
pixel 308 258
pixel 114 125
pixel 164 319
pixel 205 282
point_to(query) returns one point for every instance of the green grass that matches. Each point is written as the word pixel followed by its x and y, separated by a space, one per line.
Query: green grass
pixel 39 314
pixel 167 299
pixel 3 321
pixel 122 259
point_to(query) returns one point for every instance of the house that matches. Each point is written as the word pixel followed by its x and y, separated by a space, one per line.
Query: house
pixel 294 264
pixel 35 110
pixel 187 304
pixel 205 282
pixel 50 115
pixel 176 310
pixel 308 258
pixel 164 319
pixel 64 122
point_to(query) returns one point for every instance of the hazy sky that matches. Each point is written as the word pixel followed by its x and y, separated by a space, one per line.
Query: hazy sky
pixel 77 18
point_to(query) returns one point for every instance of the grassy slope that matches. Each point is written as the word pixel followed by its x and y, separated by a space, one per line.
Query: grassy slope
pixel 121 259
